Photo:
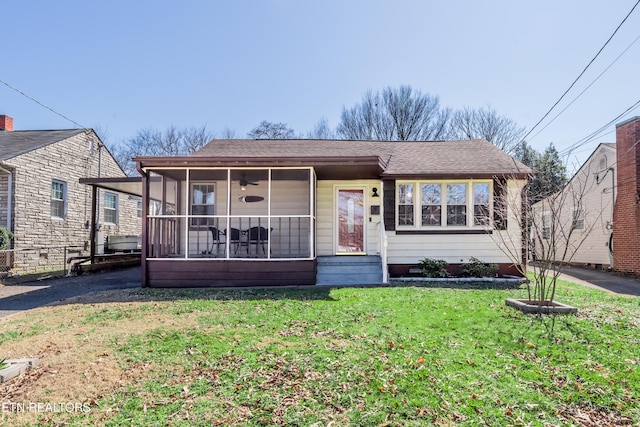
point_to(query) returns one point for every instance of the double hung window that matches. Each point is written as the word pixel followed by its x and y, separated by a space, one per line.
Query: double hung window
pixel 202 203
pixel 110 208
pixel 58 199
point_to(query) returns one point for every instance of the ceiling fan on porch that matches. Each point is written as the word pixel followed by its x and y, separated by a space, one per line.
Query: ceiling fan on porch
pixel 244 182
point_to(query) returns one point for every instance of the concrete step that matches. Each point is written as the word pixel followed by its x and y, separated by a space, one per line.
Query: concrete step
pixel 349 270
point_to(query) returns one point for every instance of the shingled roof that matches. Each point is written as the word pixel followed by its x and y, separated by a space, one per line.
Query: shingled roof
pixel 16 143
pixel 399 158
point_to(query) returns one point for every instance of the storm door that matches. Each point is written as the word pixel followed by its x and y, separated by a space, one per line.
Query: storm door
pixel 350 226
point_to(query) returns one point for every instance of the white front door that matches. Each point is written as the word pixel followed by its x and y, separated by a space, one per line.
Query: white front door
pixel 350 221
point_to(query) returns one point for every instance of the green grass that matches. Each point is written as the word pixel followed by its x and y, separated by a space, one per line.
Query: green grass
pixel 422 355
pixel 405 356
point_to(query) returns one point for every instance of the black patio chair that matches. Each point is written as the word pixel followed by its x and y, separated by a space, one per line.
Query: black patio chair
pixel 259 236
pixel 234 239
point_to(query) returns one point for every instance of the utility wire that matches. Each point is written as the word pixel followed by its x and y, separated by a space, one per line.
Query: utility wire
pixel 595 134
pixel 583 71
pixel 41 104
pixel 587 88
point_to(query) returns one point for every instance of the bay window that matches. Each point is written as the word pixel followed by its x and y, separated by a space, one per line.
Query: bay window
pixel 440 204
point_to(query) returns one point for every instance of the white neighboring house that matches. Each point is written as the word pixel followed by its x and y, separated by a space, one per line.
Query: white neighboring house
pixel 587 214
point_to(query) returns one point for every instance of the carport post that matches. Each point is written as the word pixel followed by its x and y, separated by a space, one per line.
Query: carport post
pixel 92 232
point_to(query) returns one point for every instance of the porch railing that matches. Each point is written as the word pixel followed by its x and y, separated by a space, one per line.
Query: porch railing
pixel 287 236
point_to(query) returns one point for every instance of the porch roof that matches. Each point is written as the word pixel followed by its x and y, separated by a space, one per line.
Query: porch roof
pixel 344 159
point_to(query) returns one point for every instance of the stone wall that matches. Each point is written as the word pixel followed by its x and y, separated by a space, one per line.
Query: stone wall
pixel 34 227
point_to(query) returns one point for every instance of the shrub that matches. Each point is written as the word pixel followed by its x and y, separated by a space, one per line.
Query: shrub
pixel 5 237
pixel 434 268
pixel 477 268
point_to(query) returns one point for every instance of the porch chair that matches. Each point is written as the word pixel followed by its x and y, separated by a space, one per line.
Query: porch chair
pixel 258 236
pixel 219 238
pixel 234 239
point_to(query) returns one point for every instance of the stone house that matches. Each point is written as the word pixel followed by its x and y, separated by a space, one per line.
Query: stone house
pixel 43 203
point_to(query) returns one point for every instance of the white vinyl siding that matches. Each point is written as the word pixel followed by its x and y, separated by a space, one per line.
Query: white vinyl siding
pixel 410 248
pixel 326 215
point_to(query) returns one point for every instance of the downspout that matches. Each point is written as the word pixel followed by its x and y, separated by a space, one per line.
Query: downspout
pixel 99 176
pixel 613 207
pixel 9 196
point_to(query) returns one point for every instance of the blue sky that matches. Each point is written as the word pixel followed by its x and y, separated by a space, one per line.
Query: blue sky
pixel 121 66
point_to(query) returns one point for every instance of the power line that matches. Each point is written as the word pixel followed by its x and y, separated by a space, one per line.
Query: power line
pixel 41 104
pixel 595 134
pixel 587 88
pixel 583 71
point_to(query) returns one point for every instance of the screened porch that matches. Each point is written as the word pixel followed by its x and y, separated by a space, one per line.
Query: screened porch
pixel 230 213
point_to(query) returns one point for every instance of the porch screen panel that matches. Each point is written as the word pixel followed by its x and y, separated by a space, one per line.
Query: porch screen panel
pixel 290 213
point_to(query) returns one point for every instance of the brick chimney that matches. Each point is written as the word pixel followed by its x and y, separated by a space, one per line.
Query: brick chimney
pixel 626 213
pixel 6 123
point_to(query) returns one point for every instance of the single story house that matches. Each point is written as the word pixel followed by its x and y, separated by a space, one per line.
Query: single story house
pixel 43 204
pixel 302 212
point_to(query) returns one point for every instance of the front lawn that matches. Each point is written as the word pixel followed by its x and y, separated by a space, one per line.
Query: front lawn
pixel 412 355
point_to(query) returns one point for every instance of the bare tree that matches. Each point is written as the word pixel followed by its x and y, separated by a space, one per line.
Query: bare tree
pixel 554 229
pixel 400 114
pixel 270 130
pixel 322 130
pixel 152 142
pixel 486 123
pixel 228 133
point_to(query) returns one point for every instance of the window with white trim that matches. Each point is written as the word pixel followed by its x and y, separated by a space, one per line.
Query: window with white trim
pixel 202 203
pixel 546 226
pixel 431 205
pixel 439 204
pixel 405 204
pixel 578 219
pixel 110 208
pixel 58 199
pixel 481 204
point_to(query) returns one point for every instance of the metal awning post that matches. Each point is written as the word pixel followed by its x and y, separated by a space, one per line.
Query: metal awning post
pixel 92 233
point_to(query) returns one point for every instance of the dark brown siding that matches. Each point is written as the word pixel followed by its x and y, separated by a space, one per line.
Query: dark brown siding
pixel 221 273
pixel 389 196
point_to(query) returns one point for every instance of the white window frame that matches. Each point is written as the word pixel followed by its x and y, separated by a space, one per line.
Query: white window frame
pixel 577 219
pixel 63 199
pixel 108 208
pixel 546 225
pixel 201 222
pixel 469 203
